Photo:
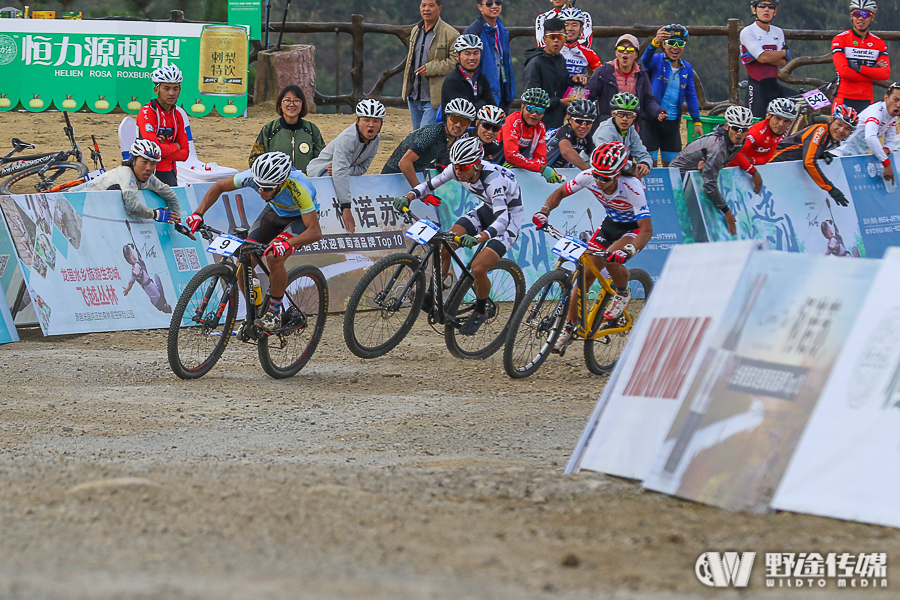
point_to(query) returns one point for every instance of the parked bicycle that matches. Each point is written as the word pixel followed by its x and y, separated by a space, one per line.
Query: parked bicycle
pixel 37 173
pixel 204 318
pixel 540 319
pixel 387 300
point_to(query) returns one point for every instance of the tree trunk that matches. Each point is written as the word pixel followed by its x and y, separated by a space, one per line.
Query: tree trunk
pixel 277 69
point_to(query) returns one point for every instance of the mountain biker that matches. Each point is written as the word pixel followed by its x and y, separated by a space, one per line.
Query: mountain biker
pixel 878 120
pixel 160 122
pixel 290 201
pixel 580 59
pixel 763 51
pixel 566 144
pixel 522 136
pixel 763 137
pixel 496 220
pixel 464 81
pixel 620 128
pixel 859 58
pixel 625 230
pixel 425 145
pixel 814 142
pixel 133 176
pixel 587 31
pixel 712 152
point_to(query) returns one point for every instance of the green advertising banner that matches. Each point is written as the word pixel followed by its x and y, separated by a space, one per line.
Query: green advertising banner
pixel 99 65
pixel 246 13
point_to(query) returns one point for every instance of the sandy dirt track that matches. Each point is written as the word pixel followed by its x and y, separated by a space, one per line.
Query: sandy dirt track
pixel 415 475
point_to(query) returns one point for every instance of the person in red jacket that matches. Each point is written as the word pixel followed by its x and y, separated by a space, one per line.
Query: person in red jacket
pixel 160 122
pixel 522 136
pixel 763 137
pixel 859 57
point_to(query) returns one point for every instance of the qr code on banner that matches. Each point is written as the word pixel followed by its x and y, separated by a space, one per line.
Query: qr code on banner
pixel 193 258
pixel 4 259
pixel 181 260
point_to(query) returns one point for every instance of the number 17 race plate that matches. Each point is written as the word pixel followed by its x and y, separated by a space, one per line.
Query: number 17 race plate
pixel 569 248
pixel 225 244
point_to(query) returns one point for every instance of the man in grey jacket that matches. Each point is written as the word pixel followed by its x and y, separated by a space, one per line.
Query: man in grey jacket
pixel 620 128
pixel 350 154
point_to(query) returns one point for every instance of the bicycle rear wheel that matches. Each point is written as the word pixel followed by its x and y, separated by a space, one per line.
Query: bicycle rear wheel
pixel 536 324
pixel 382 308
pixel 283 353
pixel 507 290
pixel 197 336
pixel 30 181
pixel 601 353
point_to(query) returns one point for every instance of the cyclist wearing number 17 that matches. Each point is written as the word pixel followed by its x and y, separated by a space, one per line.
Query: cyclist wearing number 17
pixel 624 232
pixel 496 220
pixel 290 197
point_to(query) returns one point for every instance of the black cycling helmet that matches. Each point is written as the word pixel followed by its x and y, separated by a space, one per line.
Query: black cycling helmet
pixel 582 109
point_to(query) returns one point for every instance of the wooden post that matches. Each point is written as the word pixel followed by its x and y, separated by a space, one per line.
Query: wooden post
pixel 734 60
pixel 291 65
pixel 356 70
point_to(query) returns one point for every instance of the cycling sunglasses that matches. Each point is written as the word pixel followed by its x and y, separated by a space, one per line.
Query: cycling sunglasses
pixel 535 109
pixel 862 14
pixel 555 36
pixel 463 168
pixel 767 5
pixel 490 3
pixel 624 113
pixel 491 127
pixel 583 121
pixel 458 120
pixel 737 129
pixel 267 188
pixel 626 49
pixel 675 43
pixel 602 178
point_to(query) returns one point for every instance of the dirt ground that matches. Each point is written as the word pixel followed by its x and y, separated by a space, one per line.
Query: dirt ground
pixel 415 475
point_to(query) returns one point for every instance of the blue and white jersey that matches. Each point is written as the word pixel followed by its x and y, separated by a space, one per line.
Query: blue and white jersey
pixel 627 204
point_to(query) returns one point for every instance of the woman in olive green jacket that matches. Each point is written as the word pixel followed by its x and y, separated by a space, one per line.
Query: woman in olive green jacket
pixel 290 133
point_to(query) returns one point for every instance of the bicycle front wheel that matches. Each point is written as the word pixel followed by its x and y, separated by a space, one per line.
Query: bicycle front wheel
pixel 507 290
pixel 202 321
pixel 30 181
pixel 384 306
pixel 287 350
pixel 536 324
pixel 602 352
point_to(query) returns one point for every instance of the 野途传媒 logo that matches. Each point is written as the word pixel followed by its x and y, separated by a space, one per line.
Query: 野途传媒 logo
pixel 715 569
pixel 8 49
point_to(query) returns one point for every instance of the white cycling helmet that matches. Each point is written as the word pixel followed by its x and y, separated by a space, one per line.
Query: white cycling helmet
pixel 571 14
pixel 167 74
pixel 146 149
pixel 863 5
pixel 271 168
pixel 370 108
pixel 466 151
pixel 461 107
pixel 738 116
pixel 468 41
pixel 784 107
pixel 491 114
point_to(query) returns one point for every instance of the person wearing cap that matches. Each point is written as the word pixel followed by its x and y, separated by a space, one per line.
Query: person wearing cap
pixel 350 154
pixel 623 74
pixel 545 68
pixel 160 122
pixel 464 81
pixel 860 57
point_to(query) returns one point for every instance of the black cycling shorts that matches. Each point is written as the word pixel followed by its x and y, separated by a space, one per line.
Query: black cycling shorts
pixel 269 224
pixel 611 232
pixel 661 135
pixel 476 221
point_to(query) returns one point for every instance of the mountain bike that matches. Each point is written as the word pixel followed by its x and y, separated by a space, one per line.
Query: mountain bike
pixel 37 173
pixel 536 325
pixel 388 299
pixel 204 318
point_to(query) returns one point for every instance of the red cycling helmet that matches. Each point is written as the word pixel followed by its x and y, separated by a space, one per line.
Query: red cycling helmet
pixel 844 113
pixel 609 159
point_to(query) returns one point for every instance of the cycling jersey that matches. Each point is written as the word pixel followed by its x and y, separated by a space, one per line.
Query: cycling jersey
pixel 874 122
pixel 122 178
pixel 627 204
pixel 428 142
pixel 297 197
pixel 166 128
pixel 579 58
pixel 524 146
pixel 854 60
pixel 808 145
pixel 759 147
pixel 554 157
pixel 587 29
pixel 754 41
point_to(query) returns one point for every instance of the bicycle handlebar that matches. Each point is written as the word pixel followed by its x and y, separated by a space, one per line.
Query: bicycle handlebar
pixel 556 233
pixel 411 218
pixel 210 232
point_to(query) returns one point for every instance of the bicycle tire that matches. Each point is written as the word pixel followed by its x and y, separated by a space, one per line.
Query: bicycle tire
pixel 532 326
pixel 24 182
pixel 191 337
pixel 367 315
pixel 308 290
pixel 601 354
pixel 492 333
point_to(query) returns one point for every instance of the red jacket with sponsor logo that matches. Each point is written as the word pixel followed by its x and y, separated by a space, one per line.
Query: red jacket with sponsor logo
pixel 166 128
pixel 759 146
pixel 524 146
pixel 854 59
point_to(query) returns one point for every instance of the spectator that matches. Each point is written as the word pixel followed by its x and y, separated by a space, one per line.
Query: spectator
pixel 496 59
pixel 580 59
pixel 290 132
pixel 672 82
pixel 764 137
pixel 712 152
pixel 350 155
pixel 620 128
pixel 859 57
pixel 160 122
pixel 522 136
pixel 423 146
pixel 878 120
pixel 623 74
pixel 545 68
pixel 487 128
pixel 464 81
pixel 587 32
pixel 763 51
pixel 567 145
pixel 427 63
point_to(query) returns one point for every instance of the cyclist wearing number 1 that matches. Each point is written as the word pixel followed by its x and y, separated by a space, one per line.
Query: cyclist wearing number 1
pixel 291 201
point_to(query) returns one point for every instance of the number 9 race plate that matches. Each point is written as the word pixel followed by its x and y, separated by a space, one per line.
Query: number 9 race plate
pixel 225 244
pixel 569 248
pixel 422 230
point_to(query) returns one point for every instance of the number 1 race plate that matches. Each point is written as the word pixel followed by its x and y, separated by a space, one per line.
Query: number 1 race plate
pixel 569 248
pixel 422 230
pixel 225 244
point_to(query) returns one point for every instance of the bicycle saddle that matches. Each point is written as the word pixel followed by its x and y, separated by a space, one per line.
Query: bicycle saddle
pixel 19 145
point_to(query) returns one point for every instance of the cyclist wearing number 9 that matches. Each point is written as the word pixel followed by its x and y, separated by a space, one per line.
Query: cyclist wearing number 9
pixel 624 232
pixel 290 198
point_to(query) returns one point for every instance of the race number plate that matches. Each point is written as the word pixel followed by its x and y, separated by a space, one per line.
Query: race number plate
pixel 421 231
pixel 225 244
pixel 569 248
pixel 817 99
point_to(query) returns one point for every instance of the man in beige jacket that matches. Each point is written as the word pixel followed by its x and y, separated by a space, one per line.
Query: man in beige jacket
pixel 429 60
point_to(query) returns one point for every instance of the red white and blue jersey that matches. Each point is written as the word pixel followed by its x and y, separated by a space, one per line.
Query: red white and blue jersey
pixel 627 203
